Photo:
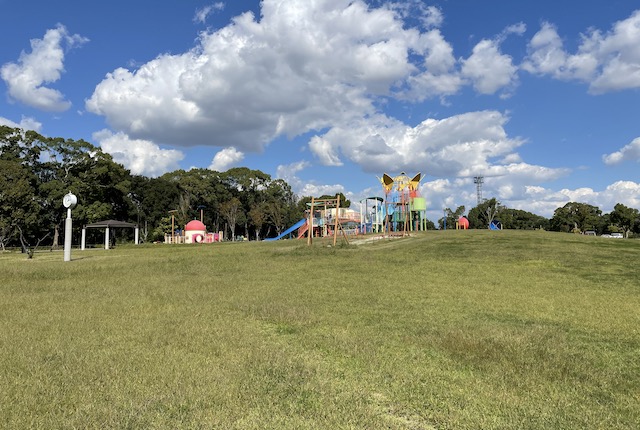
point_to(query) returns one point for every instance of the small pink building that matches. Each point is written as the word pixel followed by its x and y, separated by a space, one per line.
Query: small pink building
pixel 195 232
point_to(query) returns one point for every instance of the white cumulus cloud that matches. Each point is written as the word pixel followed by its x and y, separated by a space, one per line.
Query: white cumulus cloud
pixel 27 79
pixel 26 123
pixel 202 13
pixel 225 159
pixel 462 145
pixel 488 68
pixel 141 157
pixel 301 66
pixel 606 61
pixel 630 152
pixel 289 173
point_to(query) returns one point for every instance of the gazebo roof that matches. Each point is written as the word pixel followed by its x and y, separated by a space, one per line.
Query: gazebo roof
pixel 111 224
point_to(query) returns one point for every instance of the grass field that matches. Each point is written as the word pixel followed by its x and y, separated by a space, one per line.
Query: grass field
pixel 444 330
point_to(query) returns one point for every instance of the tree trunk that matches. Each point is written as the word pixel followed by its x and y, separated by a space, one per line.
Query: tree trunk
pixel 56 234
pixel 23 244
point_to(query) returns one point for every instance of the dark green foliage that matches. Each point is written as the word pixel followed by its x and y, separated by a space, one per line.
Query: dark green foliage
pixel 36 172
pixel 575 217
pixel 626 219
pixel 482 215
pixel 451 217
pixel 152 198
pixel 516 219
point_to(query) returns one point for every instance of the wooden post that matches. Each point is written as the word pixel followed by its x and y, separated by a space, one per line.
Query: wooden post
pixel 325 226
pixel 335 224
pixel 310 231
pixel 405 207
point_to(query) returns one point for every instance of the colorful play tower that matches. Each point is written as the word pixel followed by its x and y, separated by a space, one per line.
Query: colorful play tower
pixel 404 209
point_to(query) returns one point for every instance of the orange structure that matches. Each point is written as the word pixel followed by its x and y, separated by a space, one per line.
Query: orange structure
pixel 462 223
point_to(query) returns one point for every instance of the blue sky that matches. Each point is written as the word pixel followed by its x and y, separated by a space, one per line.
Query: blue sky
pixel 541 98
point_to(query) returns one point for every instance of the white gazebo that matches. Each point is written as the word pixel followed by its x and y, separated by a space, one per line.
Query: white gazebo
pixel 108 224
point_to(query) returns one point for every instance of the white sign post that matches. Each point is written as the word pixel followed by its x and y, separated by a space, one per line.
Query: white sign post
pixel 69 202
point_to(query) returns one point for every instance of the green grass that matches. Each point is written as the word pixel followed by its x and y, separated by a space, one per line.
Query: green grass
pixel 445 330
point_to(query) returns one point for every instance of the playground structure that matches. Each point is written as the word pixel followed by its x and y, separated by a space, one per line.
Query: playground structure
pixel 371 216
pixel 324 218
pixel 329 217
pixel 194 232
pixel 462 223
pixel 403 210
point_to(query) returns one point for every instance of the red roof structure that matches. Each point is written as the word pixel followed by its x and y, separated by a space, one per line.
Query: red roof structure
pixel 195 225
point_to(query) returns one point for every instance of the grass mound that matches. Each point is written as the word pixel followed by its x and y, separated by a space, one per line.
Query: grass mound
pixel 443 330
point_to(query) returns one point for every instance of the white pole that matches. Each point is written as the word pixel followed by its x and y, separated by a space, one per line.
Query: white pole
pixel 106 238
pixel 84 239
pixel 67 236
pixel 137 236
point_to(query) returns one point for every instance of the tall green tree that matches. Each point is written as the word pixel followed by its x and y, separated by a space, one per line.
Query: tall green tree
pixel 251 187
pixel 485 213
pixel 199 189
pixel 516 219
pixel 277 216
pixel 56 166
pixel 101 184
pixel 19 207
pixel 232 211
pixel 152 199
pixel 258 217
pixel 575 217
pixel 22 207
pixel 278 195
pixel 450 217
pixel 625 218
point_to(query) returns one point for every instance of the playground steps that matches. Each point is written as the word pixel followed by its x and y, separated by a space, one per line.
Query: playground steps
pixel 302 230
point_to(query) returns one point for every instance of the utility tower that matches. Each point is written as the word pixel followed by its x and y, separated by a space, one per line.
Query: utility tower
pixel 478 180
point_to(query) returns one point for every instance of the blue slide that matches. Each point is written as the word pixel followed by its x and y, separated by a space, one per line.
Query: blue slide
pixel 290 229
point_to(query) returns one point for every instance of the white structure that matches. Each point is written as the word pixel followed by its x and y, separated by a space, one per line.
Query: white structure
pixel 69 201
pixel 107 225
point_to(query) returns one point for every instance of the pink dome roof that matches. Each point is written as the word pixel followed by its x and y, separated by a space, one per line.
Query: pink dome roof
pixel 195 225
pixel 463 221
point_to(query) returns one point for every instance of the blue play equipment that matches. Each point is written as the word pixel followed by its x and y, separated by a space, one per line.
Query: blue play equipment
pixel 289 230
pixel 495 225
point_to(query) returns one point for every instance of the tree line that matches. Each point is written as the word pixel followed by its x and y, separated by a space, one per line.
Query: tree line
pixel 37 171
pixel 573 217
